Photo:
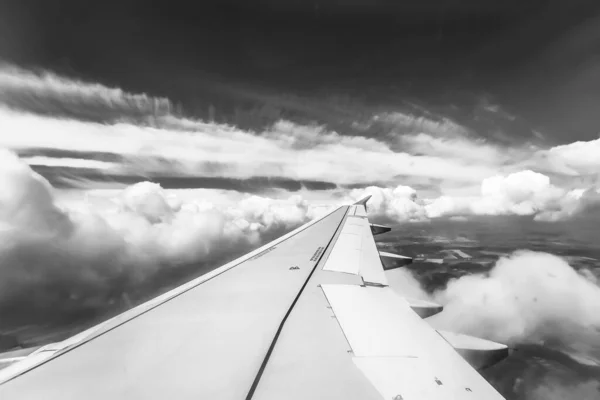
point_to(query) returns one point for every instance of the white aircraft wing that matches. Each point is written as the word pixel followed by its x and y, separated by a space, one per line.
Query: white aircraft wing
pixel 308 316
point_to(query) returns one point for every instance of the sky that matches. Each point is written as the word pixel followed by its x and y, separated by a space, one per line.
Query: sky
pixel 441 110
pixel 491 83
pixel 482 108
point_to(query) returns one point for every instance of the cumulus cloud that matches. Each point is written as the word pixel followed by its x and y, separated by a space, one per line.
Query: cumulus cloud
pixel 399 204
pixel 524 193
pixel 577 158
pixel 56 258
pixel 520 193
pixel 48 93
pixel 527 298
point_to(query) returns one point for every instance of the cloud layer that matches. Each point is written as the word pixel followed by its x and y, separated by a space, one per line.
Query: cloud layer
pixel 150 138
pixel 286 150
pixel 524 193
pixel 456 172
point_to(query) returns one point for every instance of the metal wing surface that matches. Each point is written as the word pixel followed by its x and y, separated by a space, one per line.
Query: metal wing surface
pixel 307 316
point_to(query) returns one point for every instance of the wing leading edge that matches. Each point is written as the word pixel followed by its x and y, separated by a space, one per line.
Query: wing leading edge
pixel 205 339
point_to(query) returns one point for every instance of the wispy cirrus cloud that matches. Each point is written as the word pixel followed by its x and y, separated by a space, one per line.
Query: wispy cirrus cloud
pixel 47 93
pixel 414 124
pixel 463 148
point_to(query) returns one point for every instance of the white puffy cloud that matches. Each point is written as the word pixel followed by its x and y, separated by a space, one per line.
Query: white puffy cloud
pixel 398 204
pixel 520 193
pixel 449 206
pixel 524 193
pixel 577 158
pixel 26 198
pixel 58 257
pixel 150 201
pixel 527 297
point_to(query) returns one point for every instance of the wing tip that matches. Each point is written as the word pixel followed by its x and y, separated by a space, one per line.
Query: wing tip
pixel 363 201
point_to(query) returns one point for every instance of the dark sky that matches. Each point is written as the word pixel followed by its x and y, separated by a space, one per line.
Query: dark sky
pixel 537 58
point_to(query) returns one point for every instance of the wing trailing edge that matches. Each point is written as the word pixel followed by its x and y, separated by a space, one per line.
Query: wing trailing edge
pixel 377 229
pixel 480 353
pixel 393 261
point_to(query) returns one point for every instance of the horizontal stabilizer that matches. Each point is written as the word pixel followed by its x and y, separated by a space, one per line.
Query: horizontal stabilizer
pixel 480 353
pixel 379 229
pixel 392 261
pixel 424 308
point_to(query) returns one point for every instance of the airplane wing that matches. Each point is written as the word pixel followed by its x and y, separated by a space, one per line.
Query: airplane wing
pixel 307 316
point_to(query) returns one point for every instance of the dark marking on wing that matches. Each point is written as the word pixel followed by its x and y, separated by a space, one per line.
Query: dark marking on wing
pixel 262 253
pixel 317 254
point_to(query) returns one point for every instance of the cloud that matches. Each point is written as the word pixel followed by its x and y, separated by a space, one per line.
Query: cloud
pixel 521 193
pixel 411 124
pixel 143 136
pixel 442 156
pixel 143 129
pixel 472 150
pixel 70 162
pixel 577 158
pixel 286 150
pixel 524 193
pixel 47 93
pixel 527 298
pixel 399 204
pixel 58 258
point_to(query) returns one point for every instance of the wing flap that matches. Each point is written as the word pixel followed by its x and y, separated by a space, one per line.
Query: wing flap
pixel 345 256
pixel 363 313
pixel 399 352
pixel 355 252
pixel 414 379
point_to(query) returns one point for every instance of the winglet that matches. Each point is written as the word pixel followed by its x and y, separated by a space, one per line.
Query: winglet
pixel 362 202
